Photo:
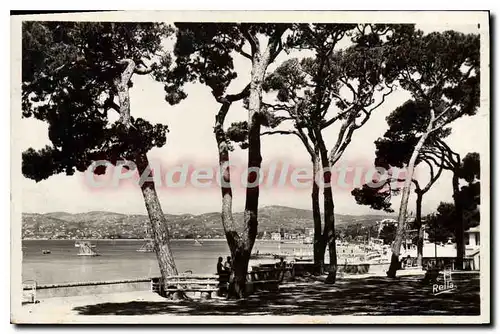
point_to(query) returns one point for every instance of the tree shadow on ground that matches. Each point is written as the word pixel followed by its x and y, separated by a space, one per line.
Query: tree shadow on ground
pixel 369 296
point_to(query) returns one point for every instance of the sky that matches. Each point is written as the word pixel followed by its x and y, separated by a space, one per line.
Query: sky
pixel 191 140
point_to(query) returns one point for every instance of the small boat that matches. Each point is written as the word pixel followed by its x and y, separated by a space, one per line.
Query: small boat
pixel 303 255
pixel 258 255
pixel 87 249
pixel 46 251
pixel 198 242
pixel 147 247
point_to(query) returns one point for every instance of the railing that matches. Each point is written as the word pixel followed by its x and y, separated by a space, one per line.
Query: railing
pixel 87 288
pixel 80 284
pixel 29 291
pixel 443 262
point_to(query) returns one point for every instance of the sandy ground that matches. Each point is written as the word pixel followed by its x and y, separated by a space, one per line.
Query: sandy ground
pixel 62 309
pixel 297 301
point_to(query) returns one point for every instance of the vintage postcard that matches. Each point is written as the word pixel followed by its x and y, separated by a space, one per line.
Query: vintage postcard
pixel 250 167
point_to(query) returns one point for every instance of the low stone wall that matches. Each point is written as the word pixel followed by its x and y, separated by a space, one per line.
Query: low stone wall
pixel 379 268
pixel 360 268
pixel 302 269
pixel 91 288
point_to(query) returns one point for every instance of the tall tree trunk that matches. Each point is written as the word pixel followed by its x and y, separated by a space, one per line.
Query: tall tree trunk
pixel 238 277
pixel 459 227
pixel 420 228
pixel 329 216
pixel 232 230
pixel 319 244
pixel 250 216
pixel 396 246
pixel 158 222
pixel 241 236
pixel 329 234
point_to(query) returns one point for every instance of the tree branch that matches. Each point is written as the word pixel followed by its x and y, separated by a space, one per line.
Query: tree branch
pixel 230 98
pixel 121 85
pixel 434 178
pixel 391 89
pixel 278 48
pixel 243 53
pixel 337 117
pixel 143 70
pixel 342 143
pixel 454 157
pixel 254 42
pixel 280 132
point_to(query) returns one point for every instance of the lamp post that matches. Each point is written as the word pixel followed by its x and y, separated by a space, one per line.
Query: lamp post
pixel 435 243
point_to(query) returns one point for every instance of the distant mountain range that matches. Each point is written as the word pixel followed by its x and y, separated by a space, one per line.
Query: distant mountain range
pixel 106 225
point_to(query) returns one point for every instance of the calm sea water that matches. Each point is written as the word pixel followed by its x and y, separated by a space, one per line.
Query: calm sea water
pixel 120 260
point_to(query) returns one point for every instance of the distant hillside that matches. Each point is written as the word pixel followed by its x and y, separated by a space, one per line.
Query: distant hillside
pixel 103 224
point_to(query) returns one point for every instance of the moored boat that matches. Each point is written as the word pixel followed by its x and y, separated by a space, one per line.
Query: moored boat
pixel 87 249
pixel 147 247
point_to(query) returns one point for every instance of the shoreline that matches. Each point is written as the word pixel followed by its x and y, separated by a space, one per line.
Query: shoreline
pixel 92 239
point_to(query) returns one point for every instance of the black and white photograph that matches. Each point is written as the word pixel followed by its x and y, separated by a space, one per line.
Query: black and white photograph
pixel 250 167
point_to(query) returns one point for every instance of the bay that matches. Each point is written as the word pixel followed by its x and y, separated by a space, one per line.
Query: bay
pixel 119 259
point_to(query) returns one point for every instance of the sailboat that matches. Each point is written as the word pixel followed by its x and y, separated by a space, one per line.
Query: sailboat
pixel 86 249
pixel 148 246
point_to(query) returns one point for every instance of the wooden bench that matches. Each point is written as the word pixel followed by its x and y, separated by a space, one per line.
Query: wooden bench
pixel 223 283
pixel 29 292
pixel 204 284
pixel 267 279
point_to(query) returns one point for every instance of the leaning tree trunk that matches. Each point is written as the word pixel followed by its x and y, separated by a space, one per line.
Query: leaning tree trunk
pixel 158 222
pixel 319 244
pixel 459 227
pixel 420 228
pixel 396 246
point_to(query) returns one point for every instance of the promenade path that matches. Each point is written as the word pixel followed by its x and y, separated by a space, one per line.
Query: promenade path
pixel 353 296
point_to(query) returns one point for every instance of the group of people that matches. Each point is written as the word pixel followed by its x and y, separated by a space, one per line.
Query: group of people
pixel 224 268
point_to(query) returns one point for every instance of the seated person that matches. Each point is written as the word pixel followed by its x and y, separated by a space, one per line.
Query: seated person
pixel 220 267
pixel 223 277
pixel 227 264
